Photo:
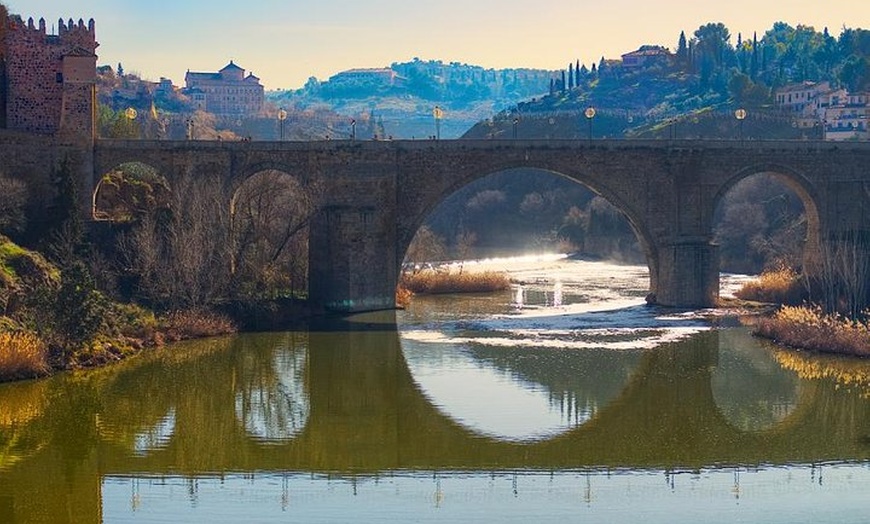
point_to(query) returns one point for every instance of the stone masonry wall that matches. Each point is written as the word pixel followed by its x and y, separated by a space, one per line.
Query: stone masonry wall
pixel 37 91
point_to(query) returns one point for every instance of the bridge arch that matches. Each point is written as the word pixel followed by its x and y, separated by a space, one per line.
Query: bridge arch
pixel 794 180
pixel 572 173
pixel 131 189
pixel 269 212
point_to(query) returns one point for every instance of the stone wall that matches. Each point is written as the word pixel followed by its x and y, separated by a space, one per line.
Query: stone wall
pixel 50 78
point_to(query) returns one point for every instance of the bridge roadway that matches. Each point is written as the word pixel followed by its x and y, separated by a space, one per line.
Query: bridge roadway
pixel 370 197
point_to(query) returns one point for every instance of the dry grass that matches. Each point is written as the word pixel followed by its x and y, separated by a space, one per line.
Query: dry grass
pixel 403 295
pixel 848 373
pixel 807 327
pixel 182 325
pixel 439 282
pixel 22 355
pixel 780 286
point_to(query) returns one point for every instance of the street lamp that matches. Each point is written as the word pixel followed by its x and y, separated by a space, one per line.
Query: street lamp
pixel 438 113
pixel 282 116
pixel 740 115
pixel 131 115
pixel 189 123
pixel 516 123
pixel 589 114
pixel 353 129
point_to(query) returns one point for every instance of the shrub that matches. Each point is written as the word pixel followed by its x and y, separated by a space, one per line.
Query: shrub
pixel 780 286
pixel 196 323
pixel 22 355
pixel 437 282
pixel 807 327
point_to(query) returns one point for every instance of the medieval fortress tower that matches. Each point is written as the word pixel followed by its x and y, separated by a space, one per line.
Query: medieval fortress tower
pixel 49 79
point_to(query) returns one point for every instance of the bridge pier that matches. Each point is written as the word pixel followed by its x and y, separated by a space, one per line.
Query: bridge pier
pixel 688 273
pixel 351 266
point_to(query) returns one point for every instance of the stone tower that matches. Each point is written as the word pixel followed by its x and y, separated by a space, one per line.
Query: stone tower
pixel 50 79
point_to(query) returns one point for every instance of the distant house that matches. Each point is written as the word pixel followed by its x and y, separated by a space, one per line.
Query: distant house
pixel 799 97
pixel 226 92
pixel 848 120
pixel 646 55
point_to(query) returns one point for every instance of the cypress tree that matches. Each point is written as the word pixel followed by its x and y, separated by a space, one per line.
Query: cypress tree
pixel 682 50
pixel 753 67
pixel 563 80
pixel 570 76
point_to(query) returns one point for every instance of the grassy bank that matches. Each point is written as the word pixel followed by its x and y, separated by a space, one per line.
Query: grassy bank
pixel 778 286
pixel 54 318
pixel 807 327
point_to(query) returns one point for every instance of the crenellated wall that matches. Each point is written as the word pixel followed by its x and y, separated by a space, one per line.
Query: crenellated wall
pixel 50 78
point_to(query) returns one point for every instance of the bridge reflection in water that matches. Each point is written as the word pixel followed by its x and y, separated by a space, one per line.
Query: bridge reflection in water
pixel 348 404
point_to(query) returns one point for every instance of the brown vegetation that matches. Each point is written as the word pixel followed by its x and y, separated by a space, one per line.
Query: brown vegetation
pixel 22 355
pixel 782 286
pixel 439 282
pixel 807 327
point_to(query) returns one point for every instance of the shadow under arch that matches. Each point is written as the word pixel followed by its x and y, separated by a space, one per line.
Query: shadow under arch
pixel 794 180
pixel 129 190
pixel 632 216
pixel 270 208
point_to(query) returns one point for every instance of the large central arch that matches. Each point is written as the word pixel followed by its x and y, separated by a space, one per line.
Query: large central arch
pixel 633 218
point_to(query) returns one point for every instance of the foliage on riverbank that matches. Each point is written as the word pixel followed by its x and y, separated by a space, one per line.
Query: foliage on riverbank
pixel 54 318
pixel 847 373
pixel 807 327
pixel 781 286
pixel 440 282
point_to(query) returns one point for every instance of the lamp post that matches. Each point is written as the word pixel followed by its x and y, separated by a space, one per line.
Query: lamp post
pixel 131 115
pixel 740 115
pixel 353 129
pixel 282 116
pixel 516 123
pixel 589 114
pixel 438 114
pixel 189 123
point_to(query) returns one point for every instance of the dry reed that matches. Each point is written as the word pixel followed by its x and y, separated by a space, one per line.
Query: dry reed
pixel 440 282
pixel 807 327
pixel 182 325
pixel 22 355
pixel 780 286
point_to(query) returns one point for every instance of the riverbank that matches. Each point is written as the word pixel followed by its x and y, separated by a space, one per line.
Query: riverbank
pixel 798 324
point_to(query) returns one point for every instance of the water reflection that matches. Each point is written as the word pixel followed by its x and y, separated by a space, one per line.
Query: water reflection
pixel 753 392
pixel 369 405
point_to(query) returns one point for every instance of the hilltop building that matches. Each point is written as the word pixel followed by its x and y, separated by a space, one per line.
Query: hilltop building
pixel 646 55
pixel 383 76
pixel 226 92
pixel 50 78
pixel 840 114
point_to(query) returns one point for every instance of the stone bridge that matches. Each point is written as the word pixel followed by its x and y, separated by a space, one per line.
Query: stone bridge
pixel 370 197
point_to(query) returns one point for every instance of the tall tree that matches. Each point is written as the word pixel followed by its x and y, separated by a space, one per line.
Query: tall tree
pixel 570 76
pixel 683 50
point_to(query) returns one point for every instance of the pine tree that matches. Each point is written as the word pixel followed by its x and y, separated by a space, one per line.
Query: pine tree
pixel 682 50
pixel 753 67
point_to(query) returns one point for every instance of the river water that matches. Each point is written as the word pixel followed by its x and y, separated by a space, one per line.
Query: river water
pixel 565 399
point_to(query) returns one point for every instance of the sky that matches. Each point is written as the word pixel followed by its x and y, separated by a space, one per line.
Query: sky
pixel 284 42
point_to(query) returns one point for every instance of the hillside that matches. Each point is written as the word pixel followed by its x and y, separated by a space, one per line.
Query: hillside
pixel 399 100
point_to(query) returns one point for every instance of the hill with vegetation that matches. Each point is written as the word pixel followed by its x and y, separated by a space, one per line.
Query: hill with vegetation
pixel 399 100
pixel 693 92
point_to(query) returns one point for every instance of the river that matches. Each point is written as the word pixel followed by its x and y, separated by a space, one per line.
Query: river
pixel 565 398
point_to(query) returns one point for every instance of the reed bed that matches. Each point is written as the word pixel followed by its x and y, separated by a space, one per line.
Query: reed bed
pixel 781 286
pixel 182 325
pixel 807 327
pixel 440 282
pixel 22 355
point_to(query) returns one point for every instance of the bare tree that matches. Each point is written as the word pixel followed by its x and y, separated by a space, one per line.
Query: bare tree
pixel 181 257
pixel 270 214
pixel 843 275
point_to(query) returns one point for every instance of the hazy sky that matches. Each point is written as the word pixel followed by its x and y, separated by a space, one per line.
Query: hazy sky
pixel 286 41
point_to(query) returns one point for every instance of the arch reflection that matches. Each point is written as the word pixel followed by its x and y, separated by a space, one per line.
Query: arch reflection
pixel 274 407
pixel 752 390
